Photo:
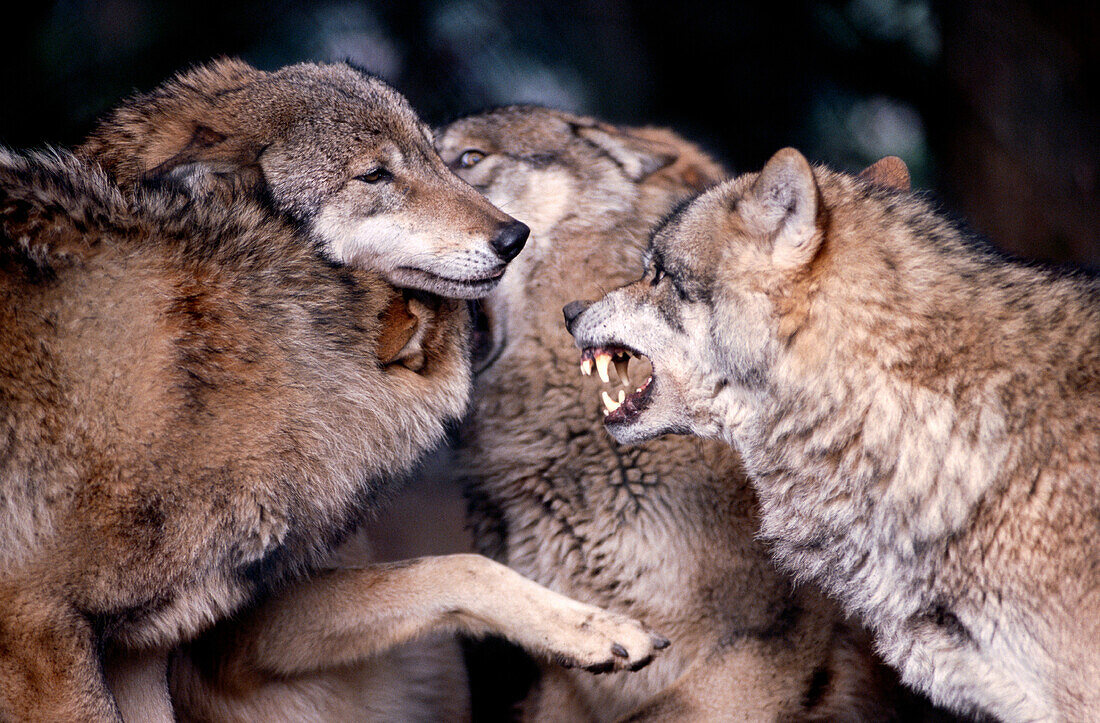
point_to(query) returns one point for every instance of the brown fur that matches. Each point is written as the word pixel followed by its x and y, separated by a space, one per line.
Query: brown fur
pixel 314 647
pixel 919 415
pixel 183 419
pixel 194 413
pixel 664 531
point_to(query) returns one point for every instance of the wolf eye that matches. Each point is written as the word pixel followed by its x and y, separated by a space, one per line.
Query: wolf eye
pixel 470 158
pixel 374 175
pixel 658 275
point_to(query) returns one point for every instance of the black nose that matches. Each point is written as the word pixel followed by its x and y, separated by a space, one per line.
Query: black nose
pixel 509 242
pixel 572 310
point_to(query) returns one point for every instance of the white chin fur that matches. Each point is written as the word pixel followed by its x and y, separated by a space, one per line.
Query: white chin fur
pixel 461 269
pixel 634 432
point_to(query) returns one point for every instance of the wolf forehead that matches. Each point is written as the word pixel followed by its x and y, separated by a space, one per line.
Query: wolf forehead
pixel 540 136
pixel 228 110
pixel 680 244
pixel 513 127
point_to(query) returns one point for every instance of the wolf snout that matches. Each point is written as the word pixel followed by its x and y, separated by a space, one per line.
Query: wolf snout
pixel 511 239
pixel 572 310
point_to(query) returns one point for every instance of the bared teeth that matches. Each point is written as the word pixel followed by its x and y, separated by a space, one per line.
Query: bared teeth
pixel 622 396
pixel 586 367
pixel 622 368
pixel 610 404
pixel 603 359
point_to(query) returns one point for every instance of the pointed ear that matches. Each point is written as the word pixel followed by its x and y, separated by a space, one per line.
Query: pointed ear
pixel 638 157
pixel 406 324
pixel 399 326
pixel 693 167
pixel 888 172
pixel 783 205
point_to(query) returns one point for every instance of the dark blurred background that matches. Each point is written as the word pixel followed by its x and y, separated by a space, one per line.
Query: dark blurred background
pixel 992 104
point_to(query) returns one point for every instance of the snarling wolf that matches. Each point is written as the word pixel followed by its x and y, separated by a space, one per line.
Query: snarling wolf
pixel 334 149
pixel 663 531
pixel 919 415
pixel 198 401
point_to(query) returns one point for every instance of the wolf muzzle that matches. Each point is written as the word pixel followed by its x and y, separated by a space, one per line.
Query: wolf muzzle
pixel 572 310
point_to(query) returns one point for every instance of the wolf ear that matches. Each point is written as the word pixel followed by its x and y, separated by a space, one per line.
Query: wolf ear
pixel 638 157
pixel 207 158
pixel 782 204
pixel 888 172
pixel 198 144
pixel 399 326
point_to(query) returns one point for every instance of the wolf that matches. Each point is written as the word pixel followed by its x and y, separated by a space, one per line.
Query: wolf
pixel 227 130
pixel 196 405
pixel 335 150
pixel 663 532
pixel 919 416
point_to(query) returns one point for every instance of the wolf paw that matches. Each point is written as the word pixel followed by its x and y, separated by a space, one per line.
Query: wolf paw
pixel 600 641
pixel 575 634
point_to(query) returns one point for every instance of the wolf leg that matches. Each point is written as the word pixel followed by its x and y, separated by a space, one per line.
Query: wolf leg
pixel 345 615
pixel 49 666
pixel 809 675
pixel 754 688
pixel 139 682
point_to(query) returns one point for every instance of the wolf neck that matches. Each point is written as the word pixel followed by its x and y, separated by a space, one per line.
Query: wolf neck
pixel 880 453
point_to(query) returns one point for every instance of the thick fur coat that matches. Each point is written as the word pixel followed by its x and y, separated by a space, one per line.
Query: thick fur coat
pixel 919 415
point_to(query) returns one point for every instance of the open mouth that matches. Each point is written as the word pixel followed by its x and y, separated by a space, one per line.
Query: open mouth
pixel 622 406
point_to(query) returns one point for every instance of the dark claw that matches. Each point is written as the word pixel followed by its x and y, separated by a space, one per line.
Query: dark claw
pixel 661 642
pixel 619 651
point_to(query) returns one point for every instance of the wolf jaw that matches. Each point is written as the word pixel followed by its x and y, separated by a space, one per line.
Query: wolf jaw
pixel 405 257
pixel 626 407
pixel 412 277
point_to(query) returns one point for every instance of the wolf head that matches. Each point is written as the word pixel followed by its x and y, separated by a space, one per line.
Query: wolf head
pixel 537 160
pixel 727 285
pixel 334 149
pixel 572 179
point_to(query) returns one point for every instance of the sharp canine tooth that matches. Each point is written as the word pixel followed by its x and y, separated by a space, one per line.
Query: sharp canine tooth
pixel 602 360
pixel 586 367
pixel 622 396
pixel 608 402
pixel 622 368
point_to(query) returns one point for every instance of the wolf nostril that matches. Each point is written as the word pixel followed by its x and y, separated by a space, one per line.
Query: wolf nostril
pixel 509 242
pixel 572 310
